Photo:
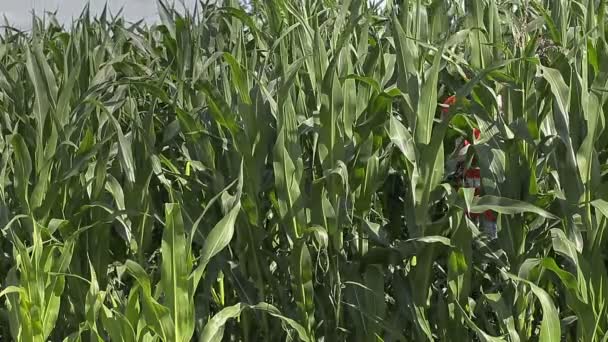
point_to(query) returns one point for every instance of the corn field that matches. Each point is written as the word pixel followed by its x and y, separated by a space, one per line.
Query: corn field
pixel 292 171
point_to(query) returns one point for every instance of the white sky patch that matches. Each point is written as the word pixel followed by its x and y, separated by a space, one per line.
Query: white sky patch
pixel 19 12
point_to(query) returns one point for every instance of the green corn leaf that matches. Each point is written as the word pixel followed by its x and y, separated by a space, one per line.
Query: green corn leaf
pixel 303 283
pixel 175 269
pixel 216 241
pixel 239 78
pixel 156 315
pixel 214 329
pixel 117 326
pixel 427 105
pixel 166 17
pixel 23 168
pixel 550 329
pixel 506 206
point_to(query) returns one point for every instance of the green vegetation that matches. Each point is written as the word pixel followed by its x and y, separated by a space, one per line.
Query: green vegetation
pixel 281 173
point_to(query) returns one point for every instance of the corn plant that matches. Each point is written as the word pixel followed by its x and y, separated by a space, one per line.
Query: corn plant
pixel 289 170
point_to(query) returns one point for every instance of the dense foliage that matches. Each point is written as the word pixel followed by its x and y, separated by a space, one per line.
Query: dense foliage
pixel 282 172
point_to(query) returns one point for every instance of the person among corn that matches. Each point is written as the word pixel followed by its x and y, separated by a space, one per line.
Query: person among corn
pixel 468 176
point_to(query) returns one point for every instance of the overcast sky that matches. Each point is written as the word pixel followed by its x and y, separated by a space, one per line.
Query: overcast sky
pixel 18 12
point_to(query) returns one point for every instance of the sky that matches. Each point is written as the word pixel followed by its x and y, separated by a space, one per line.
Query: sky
pixel 18 12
